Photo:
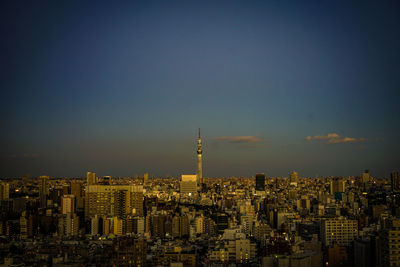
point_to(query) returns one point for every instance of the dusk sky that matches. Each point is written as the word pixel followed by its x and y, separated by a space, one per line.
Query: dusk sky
pixel 121 88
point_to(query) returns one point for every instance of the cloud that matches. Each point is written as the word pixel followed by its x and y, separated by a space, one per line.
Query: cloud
pixel 323 137
pixel 21 156
pixel 238 139
pixel 334 138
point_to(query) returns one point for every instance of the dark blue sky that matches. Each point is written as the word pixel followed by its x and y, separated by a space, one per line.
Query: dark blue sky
pixel 120 88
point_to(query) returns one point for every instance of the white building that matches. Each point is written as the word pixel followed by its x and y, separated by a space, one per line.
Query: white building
pixel 67 204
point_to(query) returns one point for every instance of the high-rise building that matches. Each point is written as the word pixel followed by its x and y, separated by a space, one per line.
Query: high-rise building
pixel 176 226
pixel 113 200
pixel 184 225
pixel 260 182
pixel 43 190
pixel 294 178
pixel 145 178
pixel 129 252
pixel 67 204
pixel 390 243
pixel 4 191
pixel 363 253
pixel 341 231
pixel 336 255
pixel 94 225
pixel 366 176
pixel 136 201
pixel 71 224
pixel 188 184
pixel 77 191
pixel 337 186
pixel 68 225
pixel 158 225
pixel 23 225
pixel 91 178
pixel 118 226
pixel 199 222
pixel 247 222
pixel 199 162
pixel 395 181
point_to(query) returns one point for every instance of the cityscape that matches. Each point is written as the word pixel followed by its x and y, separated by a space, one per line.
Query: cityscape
pixel 197 221
pixel 199 133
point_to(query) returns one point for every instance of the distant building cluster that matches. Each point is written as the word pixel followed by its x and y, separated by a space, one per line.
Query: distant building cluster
pixel 196 221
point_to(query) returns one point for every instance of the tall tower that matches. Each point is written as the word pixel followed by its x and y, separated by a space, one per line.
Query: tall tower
pixel 199 161
pixel 43 190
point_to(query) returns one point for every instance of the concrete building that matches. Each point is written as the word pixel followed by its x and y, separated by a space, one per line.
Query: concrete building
pixel 390 243
pixel 337 186
pixel 340 231
pixel 91 178
pixel 113 200
pixel 43 190
pixel 366 177
pixel 188 185
pixel 395 181
pixel 294 178
pixel 199 222
pixel 239 250
pixel 260 182
pixel 67 204
pixel 118 226
pixel 4 191
pixel 77 191
pixel 363 253
pixel 68 225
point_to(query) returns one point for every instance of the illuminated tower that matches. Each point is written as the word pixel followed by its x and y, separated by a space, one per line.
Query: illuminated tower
pixel 199 162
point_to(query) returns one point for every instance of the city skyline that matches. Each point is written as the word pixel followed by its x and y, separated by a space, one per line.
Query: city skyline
pixel 329 139
pixel 275 87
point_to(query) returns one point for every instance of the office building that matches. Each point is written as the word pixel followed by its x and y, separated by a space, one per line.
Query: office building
pixel 390 243
pixel 67 204
pixel 340 231
pixel 366 176
pixel 91 178
pixel 363 253
pixel 43 190
pixel 4 191
pixel 113 200
pixel 337 186
pixel 68 225
pixel 395 181
pixel 129 252
pixel 188 185
pixel 260 182
pixel 294 178
pixel 145 178
pixel 77 191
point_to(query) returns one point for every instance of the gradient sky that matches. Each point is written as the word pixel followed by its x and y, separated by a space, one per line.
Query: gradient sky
pixel 120 88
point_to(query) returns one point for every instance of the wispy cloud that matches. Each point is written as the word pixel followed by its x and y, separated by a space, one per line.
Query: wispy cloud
pixel 21 156
pixel 238 139
pixel 334 138
pixel 323 137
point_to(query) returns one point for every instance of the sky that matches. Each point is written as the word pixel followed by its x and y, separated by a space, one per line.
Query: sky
pixel 121 87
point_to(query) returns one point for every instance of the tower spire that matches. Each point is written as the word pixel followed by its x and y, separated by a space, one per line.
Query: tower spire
pixel 199 161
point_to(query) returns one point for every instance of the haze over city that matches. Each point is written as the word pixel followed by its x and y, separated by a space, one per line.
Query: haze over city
pixel 121 88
